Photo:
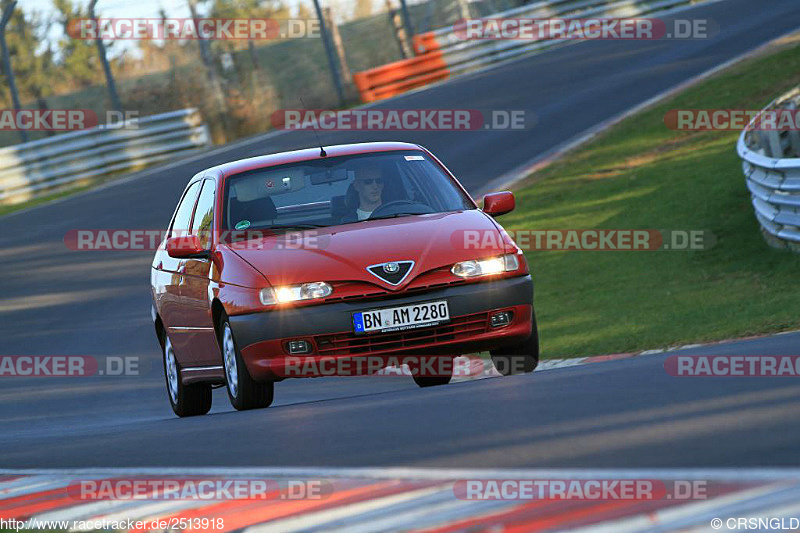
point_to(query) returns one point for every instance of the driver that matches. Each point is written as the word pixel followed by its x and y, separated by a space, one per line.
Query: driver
pixel 369 186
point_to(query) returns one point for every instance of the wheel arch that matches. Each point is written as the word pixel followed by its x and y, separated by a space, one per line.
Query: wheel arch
pixel 217 312
pixel 161 331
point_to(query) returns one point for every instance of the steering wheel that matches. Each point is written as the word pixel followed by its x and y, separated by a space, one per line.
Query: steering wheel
pixel 385 207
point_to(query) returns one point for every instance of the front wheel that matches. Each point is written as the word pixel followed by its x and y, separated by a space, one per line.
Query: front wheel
pixel 519 358
pixel 185 400
pixel 441 375
pixel 243 391
pixel 432 381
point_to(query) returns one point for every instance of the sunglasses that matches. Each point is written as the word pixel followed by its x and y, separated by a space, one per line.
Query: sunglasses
pixel 370 181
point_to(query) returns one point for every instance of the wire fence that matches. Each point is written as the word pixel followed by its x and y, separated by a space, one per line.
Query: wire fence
pixel 269 76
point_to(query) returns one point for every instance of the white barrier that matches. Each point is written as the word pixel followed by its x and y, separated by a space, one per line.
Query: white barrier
pixel 771 165
pixel 30 169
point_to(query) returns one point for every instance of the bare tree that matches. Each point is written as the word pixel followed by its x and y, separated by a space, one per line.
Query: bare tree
pixel 211 72
pixel 7 11
pixel 101 50
pixel 329 51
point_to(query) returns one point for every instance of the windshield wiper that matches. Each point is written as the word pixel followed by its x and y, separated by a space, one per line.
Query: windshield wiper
pixel 395 215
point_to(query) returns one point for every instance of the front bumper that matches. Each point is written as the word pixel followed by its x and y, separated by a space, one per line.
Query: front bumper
pixel 262 337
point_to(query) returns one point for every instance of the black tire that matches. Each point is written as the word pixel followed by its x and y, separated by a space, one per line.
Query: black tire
pixel 185 400
pixel 433 381
pixel 519 358
pixel 243 391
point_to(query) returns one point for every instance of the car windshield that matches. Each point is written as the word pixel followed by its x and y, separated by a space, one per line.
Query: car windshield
pixel 340 190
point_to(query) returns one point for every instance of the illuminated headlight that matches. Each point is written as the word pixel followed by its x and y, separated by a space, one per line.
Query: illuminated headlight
pixel 486 267
pixel 306 291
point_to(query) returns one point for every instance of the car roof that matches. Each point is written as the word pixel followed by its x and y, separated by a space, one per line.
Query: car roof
pixel 281 158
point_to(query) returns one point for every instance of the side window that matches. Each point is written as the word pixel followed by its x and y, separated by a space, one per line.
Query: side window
pixel 204 214
pixel 183 216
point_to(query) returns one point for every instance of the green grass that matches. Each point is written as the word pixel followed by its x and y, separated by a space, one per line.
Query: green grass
pixel 640 174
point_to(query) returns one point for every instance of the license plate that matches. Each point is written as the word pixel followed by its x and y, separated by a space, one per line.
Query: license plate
pixel 401 318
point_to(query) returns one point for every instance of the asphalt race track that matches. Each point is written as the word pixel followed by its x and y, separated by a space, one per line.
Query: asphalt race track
pixel 626 413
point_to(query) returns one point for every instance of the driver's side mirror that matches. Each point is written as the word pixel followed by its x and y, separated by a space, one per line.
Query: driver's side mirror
pixel 499 203
pixel 185 246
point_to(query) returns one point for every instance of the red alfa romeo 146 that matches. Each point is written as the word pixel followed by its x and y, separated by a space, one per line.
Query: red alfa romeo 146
pixel 356 251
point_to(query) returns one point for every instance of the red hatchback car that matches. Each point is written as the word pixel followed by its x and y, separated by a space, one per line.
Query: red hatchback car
pixel 354 251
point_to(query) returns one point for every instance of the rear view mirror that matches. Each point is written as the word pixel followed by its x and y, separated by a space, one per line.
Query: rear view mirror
pixel 498 203
pixel 185 246
pixel 329 176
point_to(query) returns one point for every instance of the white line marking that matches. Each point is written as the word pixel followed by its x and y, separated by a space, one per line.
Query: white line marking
pixel 30 485
pixel 313 519
pixel 423 515
pixel 663 517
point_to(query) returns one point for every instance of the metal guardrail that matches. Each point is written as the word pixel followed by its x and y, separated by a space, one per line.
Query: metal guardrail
pixel 442 53
pixel 30 169
pixel 463 55
pixel 771 164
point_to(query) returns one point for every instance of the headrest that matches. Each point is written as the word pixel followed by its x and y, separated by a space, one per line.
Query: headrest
pixel 246 190
pixel 259 209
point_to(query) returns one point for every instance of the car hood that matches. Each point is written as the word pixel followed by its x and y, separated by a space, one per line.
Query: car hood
pixel 343 252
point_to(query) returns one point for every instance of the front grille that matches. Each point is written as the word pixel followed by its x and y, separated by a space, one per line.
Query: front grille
pixel 393 278
pixel 367 293
pixel 348 343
